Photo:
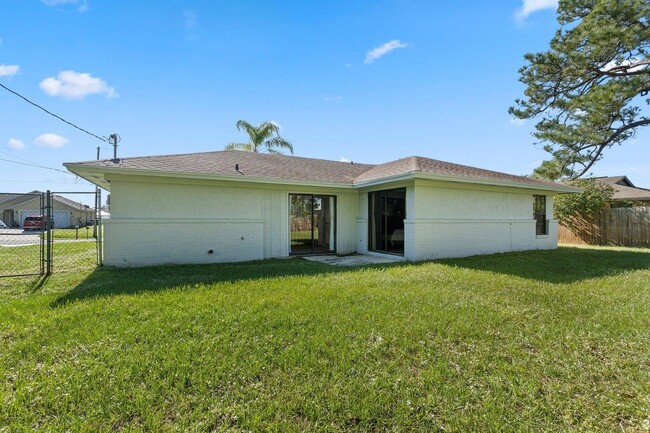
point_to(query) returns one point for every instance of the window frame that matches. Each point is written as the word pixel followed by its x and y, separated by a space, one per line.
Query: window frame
pixel 539 215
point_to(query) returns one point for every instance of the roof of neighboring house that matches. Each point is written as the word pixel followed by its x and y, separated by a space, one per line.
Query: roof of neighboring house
pixel 8 200
pixel 624 189
pixel 18 199
pixel 619 180
pixel 239 165
pixel 70 203
pixel 6 197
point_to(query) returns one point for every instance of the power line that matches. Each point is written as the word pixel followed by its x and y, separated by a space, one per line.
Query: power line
pixel 37 166
pixel 52 114
pixel 18 157
pixel 48 182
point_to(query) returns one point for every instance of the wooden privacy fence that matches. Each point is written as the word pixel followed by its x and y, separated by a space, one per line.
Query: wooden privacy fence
pixel 629 227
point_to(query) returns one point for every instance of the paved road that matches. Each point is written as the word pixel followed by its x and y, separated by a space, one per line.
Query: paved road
pixel 17 237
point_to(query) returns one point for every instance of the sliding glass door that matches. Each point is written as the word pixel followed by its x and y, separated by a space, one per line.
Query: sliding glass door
pixel 312 223
pixel 386 214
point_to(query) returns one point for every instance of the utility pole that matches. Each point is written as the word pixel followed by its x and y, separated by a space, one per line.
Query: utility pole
pixel 98 206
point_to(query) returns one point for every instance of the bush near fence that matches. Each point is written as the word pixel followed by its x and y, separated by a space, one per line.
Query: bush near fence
pixel 629 227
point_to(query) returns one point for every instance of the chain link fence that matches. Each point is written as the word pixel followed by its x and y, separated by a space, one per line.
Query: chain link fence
pixel 49 232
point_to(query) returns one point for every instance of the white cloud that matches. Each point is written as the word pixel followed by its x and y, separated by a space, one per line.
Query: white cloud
pixel 76 85
pixel 15 144
pixel 383 50
pixel 344 159
pixel 51 140
pixel 191 25
pixel 332 98
pixel 9 70
pixel 530 6
pixel 83 4
pixel 190 19
pixel 517 121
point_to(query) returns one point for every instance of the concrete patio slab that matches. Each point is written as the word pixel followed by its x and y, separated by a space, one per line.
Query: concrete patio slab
pixel 354 260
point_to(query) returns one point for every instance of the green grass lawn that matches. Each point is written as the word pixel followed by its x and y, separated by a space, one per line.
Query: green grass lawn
pixel 80 233
pixel 533 341
pixel 69 257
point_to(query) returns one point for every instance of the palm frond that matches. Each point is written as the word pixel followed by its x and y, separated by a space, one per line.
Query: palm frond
pixel 278 143
pixel 262 137
pixel 248 147
pixel 246 127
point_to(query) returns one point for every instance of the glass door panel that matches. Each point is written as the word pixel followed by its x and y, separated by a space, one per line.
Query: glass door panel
pixel 312 223
pixel 386 214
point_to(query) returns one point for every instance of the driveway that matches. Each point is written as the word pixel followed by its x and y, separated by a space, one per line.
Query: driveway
pixel 18 237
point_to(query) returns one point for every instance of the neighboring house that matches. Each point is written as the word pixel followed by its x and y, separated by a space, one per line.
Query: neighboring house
pixel 14 208
pixel 232 206
pixel 625 191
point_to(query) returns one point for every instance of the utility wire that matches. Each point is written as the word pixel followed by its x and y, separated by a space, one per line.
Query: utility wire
pixel 37 166
pixel 18 157
pixel 48 182
pixel 52 114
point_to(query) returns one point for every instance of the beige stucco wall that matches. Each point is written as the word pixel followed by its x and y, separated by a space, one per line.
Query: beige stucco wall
pixel 155 221
pixel 448 219
pixel 456 220
pixel 161 220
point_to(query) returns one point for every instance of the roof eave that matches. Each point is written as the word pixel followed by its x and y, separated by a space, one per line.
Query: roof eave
pixel 468 180
pixel 83 171
pixel 504 183
pixel 382 180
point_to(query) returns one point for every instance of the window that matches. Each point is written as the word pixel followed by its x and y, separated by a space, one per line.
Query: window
pixel 539 214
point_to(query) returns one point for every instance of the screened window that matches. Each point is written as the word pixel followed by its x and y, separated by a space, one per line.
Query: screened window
pixel 539 214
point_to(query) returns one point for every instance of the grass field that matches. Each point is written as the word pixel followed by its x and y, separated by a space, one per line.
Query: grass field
pixel 80 233
pixel 69 257
pixel 533 341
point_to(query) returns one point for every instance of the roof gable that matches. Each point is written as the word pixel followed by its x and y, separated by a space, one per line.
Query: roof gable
pixel 624 189
pixel 15 200
pixel 616 180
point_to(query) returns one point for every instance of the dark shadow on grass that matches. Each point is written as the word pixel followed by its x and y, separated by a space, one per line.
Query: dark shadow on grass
pixel 564 265
pixel 561 266
pixel 39 282
pixel 111 281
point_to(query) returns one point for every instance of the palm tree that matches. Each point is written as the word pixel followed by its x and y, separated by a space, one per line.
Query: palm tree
pixel 261 138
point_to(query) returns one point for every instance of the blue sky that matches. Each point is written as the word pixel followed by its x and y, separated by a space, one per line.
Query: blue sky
pixel 367 81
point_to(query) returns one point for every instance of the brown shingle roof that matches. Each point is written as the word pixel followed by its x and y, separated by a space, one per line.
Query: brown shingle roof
pixel 262 165
pixel 420 164
pixel 292 168
pixel 611 180
pixel 11 200
pixel 622 191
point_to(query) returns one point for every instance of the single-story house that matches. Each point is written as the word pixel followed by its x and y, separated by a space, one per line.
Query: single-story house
pixel 625 191
pixel 228 206
pixel 14 208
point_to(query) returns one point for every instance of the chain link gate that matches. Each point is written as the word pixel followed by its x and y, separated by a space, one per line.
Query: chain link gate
pixel 49 232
